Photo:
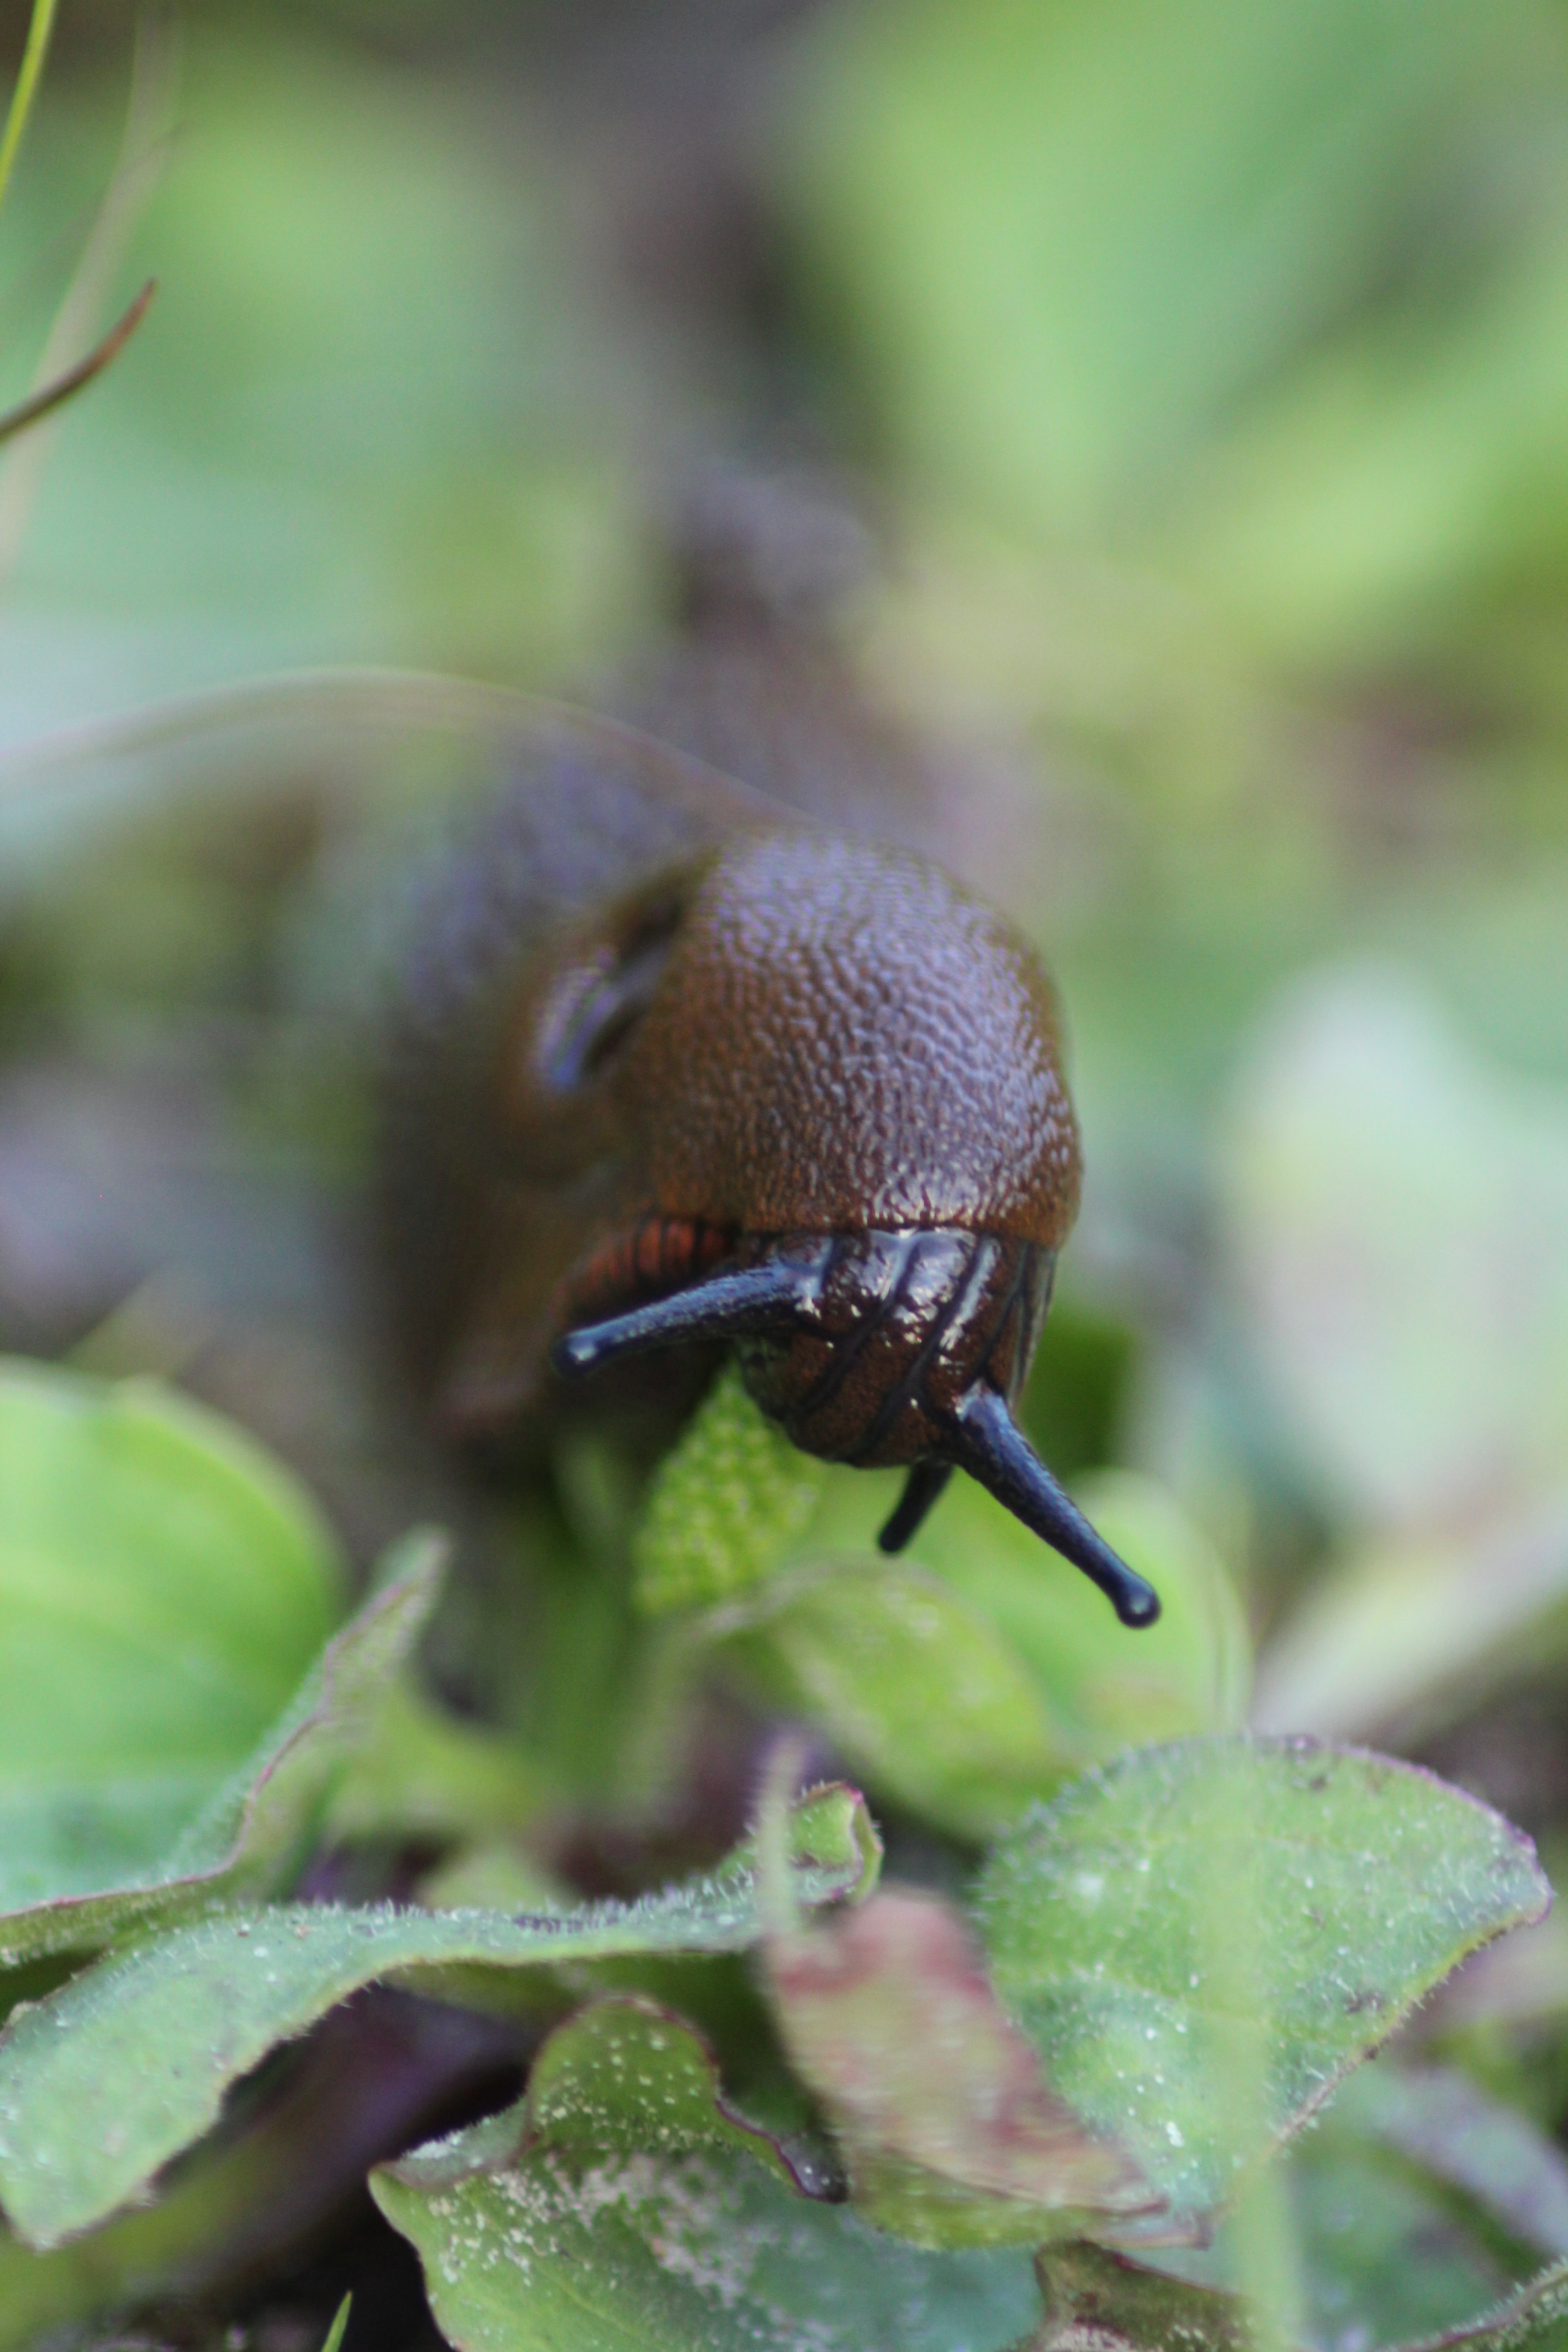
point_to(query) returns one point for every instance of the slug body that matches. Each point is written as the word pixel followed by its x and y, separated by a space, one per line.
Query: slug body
pixel 674 1068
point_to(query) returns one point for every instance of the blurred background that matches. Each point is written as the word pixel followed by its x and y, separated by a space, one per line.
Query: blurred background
pixel 1125 439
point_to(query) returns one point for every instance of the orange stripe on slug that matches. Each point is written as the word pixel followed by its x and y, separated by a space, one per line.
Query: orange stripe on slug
pixel 647 1260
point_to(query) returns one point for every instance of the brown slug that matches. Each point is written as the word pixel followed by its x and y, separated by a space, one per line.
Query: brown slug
pixel 671 1066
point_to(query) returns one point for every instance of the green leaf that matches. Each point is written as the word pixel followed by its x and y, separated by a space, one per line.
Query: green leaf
pixel 1073 1399
pixel 914 1687
pixel 1438 2118
pixel 256 2196
pixel 728 1500
pixel 340 2326
pixel 1097 2298
pixel 1385 2253
pixel 1201 1940
pixel 39 24
pixel 1101 2299
pixel 164 1585
pixel 106 2079
pixel 926 1691
pixel 249 1835
pixel 423 1773
pixel 949 2134
pixel 1534 2320
pixel 622 2204
pixel 579 2096
pixel 1104 1688
pixel 972 1676
pixel 558 1649
pixel 1387 2247
pixel 1417 2202
pixel 491 1876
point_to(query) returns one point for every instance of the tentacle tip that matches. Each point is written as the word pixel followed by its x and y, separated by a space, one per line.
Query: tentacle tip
pixel 575 1353
pixel 922 1489
pixel 1134 1601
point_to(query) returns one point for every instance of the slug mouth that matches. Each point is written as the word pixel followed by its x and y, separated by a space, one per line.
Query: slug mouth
pixel 885 1348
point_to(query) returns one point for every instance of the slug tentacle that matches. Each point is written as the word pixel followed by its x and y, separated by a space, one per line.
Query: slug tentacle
pixel 922 1491
pixel 993 1448
pixel 887 1347
pixel 724 1306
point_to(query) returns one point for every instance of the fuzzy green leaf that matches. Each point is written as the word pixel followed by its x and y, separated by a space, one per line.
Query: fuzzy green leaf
pixel 425 1773
pixel 1104 1688
pixel 126 2065
pixel 966 1679
pixel 925 1700
pixel 1534 2320
pixel 1202 1940
pixel 728 1500
pixel 621 2205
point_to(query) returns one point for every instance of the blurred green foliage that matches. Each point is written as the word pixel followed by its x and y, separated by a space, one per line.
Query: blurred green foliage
pixel 165 1588
pixel 358 433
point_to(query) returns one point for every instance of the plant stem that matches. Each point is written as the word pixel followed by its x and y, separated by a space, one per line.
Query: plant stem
pixel 38 30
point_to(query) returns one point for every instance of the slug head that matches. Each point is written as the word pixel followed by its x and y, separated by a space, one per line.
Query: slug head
pixel 842 1038
pixel 888 1348
pixel 830 1055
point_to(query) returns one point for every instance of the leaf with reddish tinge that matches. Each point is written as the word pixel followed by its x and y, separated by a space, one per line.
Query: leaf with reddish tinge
pixel 950 2133
pixel 620 2203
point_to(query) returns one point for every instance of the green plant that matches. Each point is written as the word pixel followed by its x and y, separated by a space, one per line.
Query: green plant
pixel 1144 1979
